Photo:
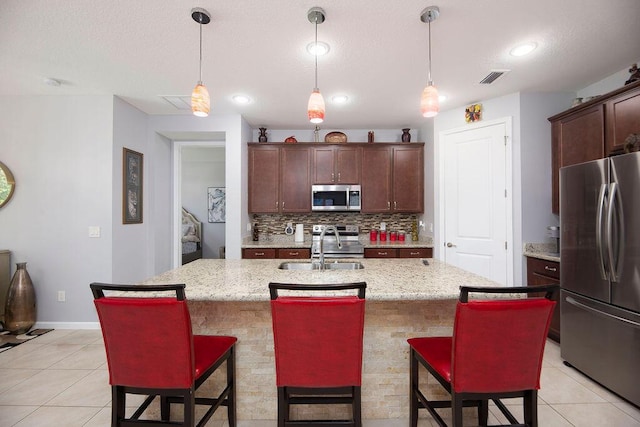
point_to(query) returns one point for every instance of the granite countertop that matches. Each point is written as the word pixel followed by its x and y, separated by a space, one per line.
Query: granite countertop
pixel 541 251
pixel 387 280
pixel 283 241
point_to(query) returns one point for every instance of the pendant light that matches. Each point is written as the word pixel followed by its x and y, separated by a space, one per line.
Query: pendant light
pixel 429 103
pixel 315 108
pixel 200 101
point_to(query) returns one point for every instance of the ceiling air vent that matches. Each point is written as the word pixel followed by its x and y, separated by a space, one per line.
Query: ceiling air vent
pixel 180 102
pixel 492 76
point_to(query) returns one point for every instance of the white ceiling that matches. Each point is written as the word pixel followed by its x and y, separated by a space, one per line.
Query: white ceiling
pixel 142 50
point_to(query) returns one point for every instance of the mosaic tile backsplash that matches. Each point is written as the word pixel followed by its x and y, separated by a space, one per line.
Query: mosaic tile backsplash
pixel 275 224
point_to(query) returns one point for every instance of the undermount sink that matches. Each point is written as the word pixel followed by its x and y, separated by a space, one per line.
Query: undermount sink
pixel 316 266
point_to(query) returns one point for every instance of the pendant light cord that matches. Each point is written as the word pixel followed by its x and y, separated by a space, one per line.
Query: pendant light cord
pixel 201 50
pixel 430 82
pixel 316 51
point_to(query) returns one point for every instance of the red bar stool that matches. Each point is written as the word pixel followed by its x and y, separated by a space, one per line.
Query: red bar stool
pixel 318 348
pixel 152 351
pixel 495 352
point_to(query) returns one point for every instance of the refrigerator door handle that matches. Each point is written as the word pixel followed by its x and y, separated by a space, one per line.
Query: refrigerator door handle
pixel 615 257
pixel 601 313
pixel 600 219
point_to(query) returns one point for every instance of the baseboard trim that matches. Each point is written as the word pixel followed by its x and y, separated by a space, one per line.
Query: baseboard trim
pixel 67 325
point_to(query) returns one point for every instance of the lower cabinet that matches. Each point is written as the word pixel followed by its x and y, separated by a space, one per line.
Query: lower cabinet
pixel 272 253
pixel 542 272
pixel 398 253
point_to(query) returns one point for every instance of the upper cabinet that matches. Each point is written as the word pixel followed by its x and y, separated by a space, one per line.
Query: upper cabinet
pixel 281 175
pixel 393 178
pixel 336 164
pixel 279 179
pixel 593 130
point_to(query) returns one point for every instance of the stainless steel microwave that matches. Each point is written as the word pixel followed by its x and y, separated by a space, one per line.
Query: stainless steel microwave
pixel 337 198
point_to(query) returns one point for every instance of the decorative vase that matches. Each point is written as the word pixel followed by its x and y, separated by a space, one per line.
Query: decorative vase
pixel 370 137
pixel 406 136
pixel 20 307
pixel 263 135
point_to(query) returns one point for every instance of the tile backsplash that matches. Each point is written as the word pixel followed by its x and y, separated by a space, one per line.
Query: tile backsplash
pixel 276 223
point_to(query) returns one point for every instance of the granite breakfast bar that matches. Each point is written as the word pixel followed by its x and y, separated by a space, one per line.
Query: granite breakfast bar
pixel 405 298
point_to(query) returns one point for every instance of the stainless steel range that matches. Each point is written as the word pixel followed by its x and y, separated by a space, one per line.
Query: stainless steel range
pixel 350 246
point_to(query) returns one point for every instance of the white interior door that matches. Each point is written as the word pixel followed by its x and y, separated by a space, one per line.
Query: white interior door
pixel 475 200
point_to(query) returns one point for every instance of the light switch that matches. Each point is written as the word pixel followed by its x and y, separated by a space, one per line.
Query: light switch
pixel 94 231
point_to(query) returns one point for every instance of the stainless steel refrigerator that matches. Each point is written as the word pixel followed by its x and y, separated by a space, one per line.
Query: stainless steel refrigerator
pixel 600 274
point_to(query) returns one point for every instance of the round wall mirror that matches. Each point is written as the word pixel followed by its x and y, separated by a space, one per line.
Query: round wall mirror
pixel 7 184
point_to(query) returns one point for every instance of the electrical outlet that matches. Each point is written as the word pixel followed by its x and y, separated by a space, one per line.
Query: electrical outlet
pixel 62 296
pixel 94 231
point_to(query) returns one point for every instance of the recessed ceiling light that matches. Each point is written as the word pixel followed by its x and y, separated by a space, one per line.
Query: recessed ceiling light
pixel 320 48
pixel 523 49
pixel 241 99
pixel 340 99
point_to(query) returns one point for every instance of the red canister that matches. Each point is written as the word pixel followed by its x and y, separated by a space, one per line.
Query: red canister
pixel 383 236
pixel 393 236
pixel 373 235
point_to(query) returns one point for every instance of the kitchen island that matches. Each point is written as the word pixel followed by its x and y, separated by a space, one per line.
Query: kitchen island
pixel 405 298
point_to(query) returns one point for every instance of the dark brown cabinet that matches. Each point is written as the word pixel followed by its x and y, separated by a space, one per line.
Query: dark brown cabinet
pixel 623 119
pixel 279 179
pixel 272 253
pixel 264 179
pixel 398 253
pixel 393 179
pixel 593 130
pixel 542 272
pixel 334 164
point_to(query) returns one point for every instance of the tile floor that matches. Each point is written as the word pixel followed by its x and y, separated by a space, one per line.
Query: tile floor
pixel 60 379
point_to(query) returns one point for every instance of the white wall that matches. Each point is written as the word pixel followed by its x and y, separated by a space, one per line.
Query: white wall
pixel 131 246
pixel 612 82
pixel 59 149
pixel 203 167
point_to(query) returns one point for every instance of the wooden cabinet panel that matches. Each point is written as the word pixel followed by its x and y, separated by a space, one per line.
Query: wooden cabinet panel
pixel 295 183
pixel 376 180
pixel 294 253
pixel 408 179
pixel 323 165
pixel 623 119
pixel 541 272
pixel 267 253
pixel 348 164
pixel 398 253
pixel 380 253
pixel 264 179
pixel 415 253
pixel 336 165
pixel 575 139
pixel 592 131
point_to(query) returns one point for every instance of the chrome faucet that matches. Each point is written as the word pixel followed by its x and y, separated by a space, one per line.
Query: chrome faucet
pixel 322 233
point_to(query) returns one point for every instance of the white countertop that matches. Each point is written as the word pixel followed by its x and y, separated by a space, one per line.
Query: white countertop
pixel 387 279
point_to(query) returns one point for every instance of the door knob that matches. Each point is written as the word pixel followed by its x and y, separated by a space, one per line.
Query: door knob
pixel 451 245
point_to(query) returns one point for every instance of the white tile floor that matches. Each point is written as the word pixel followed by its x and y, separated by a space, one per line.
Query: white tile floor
pixel 61 379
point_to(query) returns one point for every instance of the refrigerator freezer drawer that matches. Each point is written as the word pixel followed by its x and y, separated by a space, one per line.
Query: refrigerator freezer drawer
pixel 603 342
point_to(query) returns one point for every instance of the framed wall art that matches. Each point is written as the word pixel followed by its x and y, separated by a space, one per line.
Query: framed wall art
pixel 132 163
pixel 216 197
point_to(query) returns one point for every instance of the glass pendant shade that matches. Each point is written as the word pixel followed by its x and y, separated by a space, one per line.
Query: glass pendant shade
pixel 429 102
pixel 315 108
pixel 200 102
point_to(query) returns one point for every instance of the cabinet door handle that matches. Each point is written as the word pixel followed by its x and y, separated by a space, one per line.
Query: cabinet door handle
pixel 294 253
pixel 395 205
pixel 546 267
pixel 339 177
pixel 414 253
pixel 382 253
pixel 259 253
pixel 388 205
pixel 282 205
pixel 333 177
